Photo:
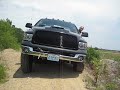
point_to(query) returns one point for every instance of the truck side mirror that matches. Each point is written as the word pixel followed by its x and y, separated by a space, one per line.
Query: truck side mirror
pixel 84 34
pixel 28 25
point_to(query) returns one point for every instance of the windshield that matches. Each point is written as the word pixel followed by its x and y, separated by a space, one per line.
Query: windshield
pixel 51 22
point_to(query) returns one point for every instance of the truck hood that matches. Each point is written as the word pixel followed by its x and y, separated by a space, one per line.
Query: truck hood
pixel 49 28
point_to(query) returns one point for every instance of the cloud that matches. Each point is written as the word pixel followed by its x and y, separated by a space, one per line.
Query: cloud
pixel 90 9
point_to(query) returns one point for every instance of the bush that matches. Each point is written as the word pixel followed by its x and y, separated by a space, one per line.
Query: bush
pixel 92 55
pixel 2 73
pixel 93 59
pixel 10 36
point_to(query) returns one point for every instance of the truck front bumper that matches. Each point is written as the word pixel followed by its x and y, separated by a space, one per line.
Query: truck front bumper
pixel 29 51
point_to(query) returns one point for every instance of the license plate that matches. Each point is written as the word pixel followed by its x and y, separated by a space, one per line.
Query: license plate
pixel 53 57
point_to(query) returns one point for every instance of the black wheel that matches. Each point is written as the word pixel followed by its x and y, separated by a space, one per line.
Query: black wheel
pixel 78 66
pixel 26 63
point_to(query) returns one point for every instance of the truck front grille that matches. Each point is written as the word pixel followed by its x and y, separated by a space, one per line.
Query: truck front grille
pixel 55 39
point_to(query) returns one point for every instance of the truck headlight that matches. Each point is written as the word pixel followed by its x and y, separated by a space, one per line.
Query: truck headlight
pixel 28 37
pixel 82 45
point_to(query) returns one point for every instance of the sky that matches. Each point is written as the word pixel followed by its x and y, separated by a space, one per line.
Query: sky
pixel 101 18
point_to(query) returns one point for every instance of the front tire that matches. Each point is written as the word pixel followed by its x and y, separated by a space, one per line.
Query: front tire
pixel 78 66
pixel 26 63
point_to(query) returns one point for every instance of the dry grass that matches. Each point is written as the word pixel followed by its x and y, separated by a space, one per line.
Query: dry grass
pixel 110 55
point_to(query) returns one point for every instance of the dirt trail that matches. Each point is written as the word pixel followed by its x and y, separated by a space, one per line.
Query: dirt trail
pixel 44 76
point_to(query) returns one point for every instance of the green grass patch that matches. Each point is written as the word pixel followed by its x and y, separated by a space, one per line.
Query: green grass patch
pixel 110 55
pixel 2 73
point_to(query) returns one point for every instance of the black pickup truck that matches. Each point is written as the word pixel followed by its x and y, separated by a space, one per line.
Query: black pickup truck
pixel 53 40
